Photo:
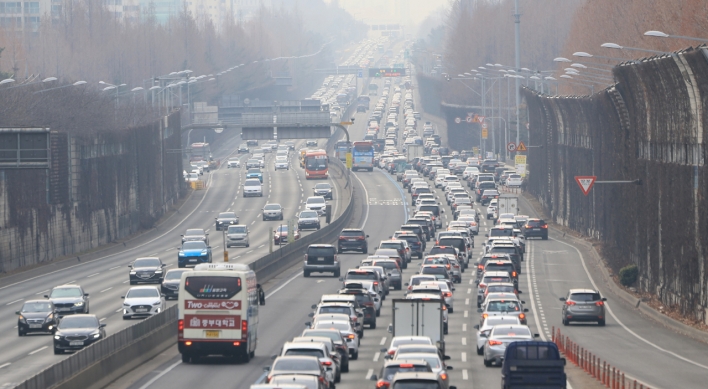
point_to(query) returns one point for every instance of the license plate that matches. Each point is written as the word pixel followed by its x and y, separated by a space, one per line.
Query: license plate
pixel 64 309
pixel 351 240
pixel 537 229
pixel 212 334
pixel 35 326
pixel 584 308
pixel 76 343
pixel 192 260
pixel 139 310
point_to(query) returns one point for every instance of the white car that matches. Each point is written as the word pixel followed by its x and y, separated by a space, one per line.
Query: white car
pixel 514 180
pixel 471 223
pixel 316 203
pixel 486 328
pixel 282 163
pixel 233 162
pixel 492 209
pixel 142 301
pixel 252 187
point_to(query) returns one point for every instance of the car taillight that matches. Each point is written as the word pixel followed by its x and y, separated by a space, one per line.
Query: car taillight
pixel 495 343
pixel 480 267
pixel 444 307
pixel 376 282
pixel 342 238
pixel 244 327
pixel 482 286
pixel 570 303
pixel 545 226
pixel 360 238
pixel 350 336
pixel 513 274
pixel 382 384
pixel 522 316
pixel 327 363
pixel 599 303
pixel 448 294
pixel 180 329
pixel 443 376
pixel 391 352
pixel 322 379
pixel 485 315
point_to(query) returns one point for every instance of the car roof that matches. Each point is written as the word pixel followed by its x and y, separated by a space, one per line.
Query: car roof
pixel 583 291
pixel 153 287
pixel 320 245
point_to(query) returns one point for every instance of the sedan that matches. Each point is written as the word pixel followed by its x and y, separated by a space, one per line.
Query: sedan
pixel 233 163
pixel 76 332
pixel 170 284
pixel 280 234
pixel 486 327
pixel 272 211
pixel 148 269
pixel 36 316
pixel 296 364
pixel 142 301
pixel 436 364
pixel 225 219
pixel 69 299
pixel 499 337
pixel 195 234
pixel 347 331
pixel 323 189
pixel 308 220
pixel 255 173
pixel 281 162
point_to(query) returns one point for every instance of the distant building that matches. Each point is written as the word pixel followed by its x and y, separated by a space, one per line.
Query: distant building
pixel 23 15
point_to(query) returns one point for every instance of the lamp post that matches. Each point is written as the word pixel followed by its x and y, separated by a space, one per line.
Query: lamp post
pixel 615 46
pixel 77 83
pixel 563 59
pixel 660 34
pixel 10 80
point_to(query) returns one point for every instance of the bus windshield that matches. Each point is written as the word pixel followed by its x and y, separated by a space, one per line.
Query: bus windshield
pixel 316 163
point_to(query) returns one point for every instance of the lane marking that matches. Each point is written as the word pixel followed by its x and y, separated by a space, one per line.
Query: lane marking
pixel 94 274
pixel 466 313
pixel 464 357
pixel 5 365
pixel 44 291
pixel 464 374
pixel 366 195
pixel 162 373
pixel 12 302
pixel 37 350
pixel 368 374
pixel 114 268
pixel 464 327
pixel 106 290
pixel 102 319
pixel 119 309
pixel 464 341
pixel 383 341
pixel 376 356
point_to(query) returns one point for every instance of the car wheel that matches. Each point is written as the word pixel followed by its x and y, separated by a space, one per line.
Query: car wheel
pixel 452 310
pixel 20 333
pixel 306 273
pixel 355 356
pixel 487 363
pixel 264 218
pixel 601 323
pixel 133 282
pixel 420 255
pixel 480 351
pixel 58 351
pixel 378 313
pixel 345 367
pixel 545 237
pixel 281 217
pixel 337 273
pixel 365 250
pixel 339 250
pixel 318 226
pixel 373 325
pixel 398 287
pixel 186 358
pixel 566 322
pixel 126 317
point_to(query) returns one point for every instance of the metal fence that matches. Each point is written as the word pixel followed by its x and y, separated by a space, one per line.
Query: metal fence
pixel 98 351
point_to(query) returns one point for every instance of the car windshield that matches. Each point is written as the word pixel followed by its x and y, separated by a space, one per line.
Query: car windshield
pixel 272 207
pixel 174 274
pixel 142 293
pixel 387 265
pixel 149 262
pixel 282 228
pixel 337 325
pixel 296 364
pixel 500 289
pixel 511 331
pixel 194 232
pixel 37 307
pixel 227 215
pixel 390 245
pixel 391 371
pixel 310 352
pixel 585 297
pixel 78 322
pixel 320 251
pixel 495 279
pixel 361 276
pixel 315 200
pixel 344 310
pixel 351 233
pixel 237 230
pixel 323 186
pixel 253 182
pixel 337 337
pixel 503 306
pixel 194 246
pixel 254 170
pixel 501 232
pixel 432 360
pixel 65 292
pixel 308 214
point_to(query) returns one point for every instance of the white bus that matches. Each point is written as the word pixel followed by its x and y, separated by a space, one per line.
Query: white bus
pixel 218 311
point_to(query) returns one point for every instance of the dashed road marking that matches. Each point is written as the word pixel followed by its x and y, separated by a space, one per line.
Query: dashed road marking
pixel 466 313
pixel 37 350
pixel 464 327
pixel 94 274
pixel 5 365
pixel 376 356
pixel 464 357
pixel 369 373
pixel 464 341
pixel 464 374
pixel 383 341
pixel 106 290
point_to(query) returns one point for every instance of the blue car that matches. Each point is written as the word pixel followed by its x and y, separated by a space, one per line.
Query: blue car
pixel 254 173
pixel 193 253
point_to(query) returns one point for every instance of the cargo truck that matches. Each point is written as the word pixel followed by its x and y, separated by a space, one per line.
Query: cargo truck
pixel 508 203
pixel 418 317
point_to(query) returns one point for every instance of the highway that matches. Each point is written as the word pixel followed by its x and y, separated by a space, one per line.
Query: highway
pixel 104 273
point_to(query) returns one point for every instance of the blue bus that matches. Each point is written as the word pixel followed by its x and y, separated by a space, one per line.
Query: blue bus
pixel 363 156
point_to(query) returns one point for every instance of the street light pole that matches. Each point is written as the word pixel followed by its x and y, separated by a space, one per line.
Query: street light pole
pixel 517 63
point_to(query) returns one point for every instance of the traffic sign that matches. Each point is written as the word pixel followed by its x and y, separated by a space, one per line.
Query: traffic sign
pixel 484 125
pixel 511 147
pixel 585 183
pixel 480 119
pixel 469 119
pixel 349 160
pixel 484 133
pixel 521 147
pixel 458 120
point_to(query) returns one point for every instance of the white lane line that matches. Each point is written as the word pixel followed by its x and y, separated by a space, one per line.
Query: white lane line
pixel 125 281
pixel 169 249
pixel 466 313
pixel 155 254
pixel 469 291
pixel 162 373
pixel 5 365
pixel 471 281
pixel 582 260
pixel 37 350
pixel 376 356
pixel 366 201
pixel 464 327
pixel 282 286
pixel 368 374
pixel 44 291
pixel 114 268
pixel 119 309
pixel 467 301
pixel 102 319
pixel 261 245
pixel 106 290
pixel 71 282
pixel 12 302
pixel 247 252
pixel 464 341
pixel 95 274
pixel 383 341
pixel 464 374
pixel 464 357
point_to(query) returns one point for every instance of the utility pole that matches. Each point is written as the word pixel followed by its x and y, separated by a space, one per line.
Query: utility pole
pixel 517 63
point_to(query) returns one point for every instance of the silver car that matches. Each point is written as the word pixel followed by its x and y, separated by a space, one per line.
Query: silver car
pixel 499 337
pixel 436 363
pixel 485 328
pixel 499 307
pixel 237 236
pixel 583 305
pixel 346 329
pixel 272 211
pixel 142 301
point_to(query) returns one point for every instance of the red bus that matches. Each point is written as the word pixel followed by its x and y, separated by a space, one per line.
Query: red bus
pixel 316 164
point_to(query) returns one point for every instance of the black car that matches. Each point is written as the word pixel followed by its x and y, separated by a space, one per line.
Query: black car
pixel 148 269
pixel 352 239
pixel 224 220
pixel 252 142
pixel 69 299
pixel 413 242
pixel 323 189
pixel 290 144
pixel 366 302
pixel 193 234
pixel 36 316
pixel 170 283
pixel 76 332
pixel 535 228
pixel 243 148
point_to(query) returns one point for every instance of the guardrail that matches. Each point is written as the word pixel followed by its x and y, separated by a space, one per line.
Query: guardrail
pixel 102 362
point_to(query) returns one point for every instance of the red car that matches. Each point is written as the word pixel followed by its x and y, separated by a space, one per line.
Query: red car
pixel 281 233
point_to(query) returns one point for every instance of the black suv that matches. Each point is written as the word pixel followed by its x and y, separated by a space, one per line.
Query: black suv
pixel 225 219
pixel 68 299
pixel 321 258
pixel 416 229
pixel 503 265
pixel 243 148
pixel 366 302
pixel 148 269
pixel 37 316
pixel 414 242
pixel 352 239
pixel 535 227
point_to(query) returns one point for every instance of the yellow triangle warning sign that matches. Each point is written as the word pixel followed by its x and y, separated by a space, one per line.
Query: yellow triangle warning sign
pixel 521 147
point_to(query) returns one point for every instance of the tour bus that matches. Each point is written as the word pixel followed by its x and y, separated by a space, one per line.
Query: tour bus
pixel 341 149
pixel 218 311
pixel 316 164
pixel 363 156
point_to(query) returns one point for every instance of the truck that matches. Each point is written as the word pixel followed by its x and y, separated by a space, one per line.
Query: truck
pixel 533 365
pixel 414 151
pixel 200 151
pixel 419 318
pixel 508 203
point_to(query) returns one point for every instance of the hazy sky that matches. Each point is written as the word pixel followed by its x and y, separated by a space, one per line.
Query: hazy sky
pixel 410 12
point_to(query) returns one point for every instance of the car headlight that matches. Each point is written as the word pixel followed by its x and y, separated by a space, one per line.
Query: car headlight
pixel 95 336
pixel 157 303
pixel 132 272
pixel 126 305
pixel 79 304
pixel 181 254
pixel 22 318
pixel 158 271
pixel 49 318
pixel 204 252
pixel 57 337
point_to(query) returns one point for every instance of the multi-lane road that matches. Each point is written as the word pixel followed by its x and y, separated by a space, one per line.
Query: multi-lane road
pixel 104 274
